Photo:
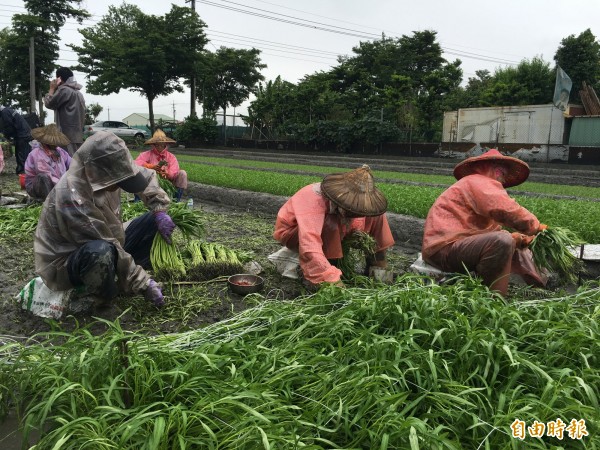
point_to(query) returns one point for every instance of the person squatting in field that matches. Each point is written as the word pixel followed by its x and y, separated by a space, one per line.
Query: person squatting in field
pixel 47 162
pixel 160 159
pixel 464 227
pixel 315 220
pixel 80 241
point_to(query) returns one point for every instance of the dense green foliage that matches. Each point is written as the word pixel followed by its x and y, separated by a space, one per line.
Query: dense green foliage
pixel 412 365
pixel 195 130
pixel 579 56
pixel 42 21
pixel 149 54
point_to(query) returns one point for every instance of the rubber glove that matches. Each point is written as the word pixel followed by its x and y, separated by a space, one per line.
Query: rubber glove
pixel 149 166
pixel 542 227
pixel 165 225
pixel 153 293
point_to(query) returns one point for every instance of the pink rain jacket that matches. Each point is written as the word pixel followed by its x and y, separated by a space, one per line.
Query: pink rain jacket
pixel 475 204
pixel 153 157
pixel 38 162
pixel 305 224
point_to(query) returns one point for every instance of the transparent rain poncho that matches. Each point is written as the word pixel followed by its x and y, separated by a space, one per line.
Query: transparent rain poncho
pixel 85 205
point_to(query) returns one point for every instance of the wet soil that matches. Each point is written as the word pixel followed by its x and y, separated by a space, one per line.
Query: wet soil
pixel 238 219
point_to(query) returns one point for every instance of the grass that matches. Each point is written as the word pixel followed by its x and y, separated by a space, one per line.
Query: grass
pixel 413 365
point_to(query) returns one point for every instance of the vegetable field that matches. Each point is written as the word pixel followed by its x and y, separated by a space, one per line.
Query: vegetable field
pixel 412 365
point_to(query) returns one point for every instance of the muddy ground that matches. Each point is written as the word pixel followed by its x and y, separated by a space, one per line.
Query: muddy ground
pixel 238 220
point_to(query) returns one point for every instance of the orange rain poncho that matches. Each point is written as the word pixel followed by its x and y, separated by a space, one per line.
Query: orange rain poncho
pixel 475 204
pixel 305 224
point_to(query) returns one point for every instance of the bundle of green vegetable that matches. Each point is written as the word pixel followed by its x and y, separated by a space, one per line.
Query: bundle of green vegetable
pixel 355 247
pixel 551 250
pixel 208 260
pixel 166 260
pixel 166 186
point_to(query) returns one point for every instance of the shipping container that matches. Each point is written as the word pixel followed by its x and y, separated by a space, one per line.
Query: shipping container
pixel 530 132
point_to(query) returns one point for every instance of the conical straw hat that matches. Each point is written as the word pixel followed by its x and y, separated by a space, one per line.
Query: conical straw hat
pixel 517 170
pixel 355 192
pixel 159 137
pixel 50 135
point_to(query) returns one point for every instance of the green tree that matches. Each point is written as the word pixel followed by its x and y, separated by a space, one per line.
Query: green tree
pixel 579 57
pixel 43 22
pixel 92 111
pixel 530 83
pixel 228 77
pixel 143 53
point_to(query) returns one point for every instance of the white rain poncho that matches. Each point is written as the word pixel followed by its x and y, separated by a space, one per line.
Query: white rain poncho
pixel 79 209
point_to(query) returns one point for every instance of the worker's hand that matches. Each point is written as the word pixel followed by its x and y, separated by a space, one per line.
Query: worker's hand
pixel 153 294
pixel 149 166
pixel 164 224
pixel 542 227
pixel 339 284
pixel 521 240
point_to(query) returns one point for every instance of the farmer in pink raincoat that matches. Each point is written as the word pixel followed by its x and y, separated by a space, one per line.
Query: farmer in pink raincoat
pixel 315 220
pixel 164 162
pixel 464 227
pixel 47 162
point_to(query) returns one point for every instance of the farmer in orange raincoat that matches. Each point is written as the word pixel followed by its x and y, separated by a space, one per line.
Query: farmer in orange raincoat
pixel 315 220
pixel 165 163
pixel 464 227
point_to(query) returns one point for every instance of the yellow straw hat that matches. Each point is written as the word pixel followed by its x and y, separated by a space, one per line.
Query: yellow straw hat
pixel 518 170
pixel 50 135
pixel 159 137
pixel 355 192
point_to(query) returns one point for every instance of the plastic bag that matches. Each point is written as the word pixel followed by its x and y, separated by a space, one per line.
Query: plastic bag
pixel 42 301
pixel 287 262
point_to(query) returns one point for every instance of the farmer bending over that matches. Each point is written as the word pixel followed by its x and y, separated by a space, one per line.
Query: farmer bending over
pixel 315 220
pixel 47 162
pixel 464 226
pixel 80 241
pixel 159 158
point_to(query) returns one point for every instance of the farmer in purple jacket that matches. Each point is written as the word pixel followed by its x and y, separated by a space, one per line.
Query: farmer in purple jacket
pixel 47 162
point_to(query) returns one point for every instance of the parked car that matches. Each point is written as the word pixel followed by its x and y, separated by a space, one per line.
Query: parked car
pixel 121 129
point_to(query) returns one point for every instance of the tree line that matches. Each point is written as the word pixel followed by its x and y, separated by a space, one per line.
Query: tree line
pixel 393 88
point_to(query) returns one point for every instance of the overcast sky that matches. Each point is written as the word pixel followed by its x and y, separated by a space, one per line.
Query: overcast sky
pixel 483 34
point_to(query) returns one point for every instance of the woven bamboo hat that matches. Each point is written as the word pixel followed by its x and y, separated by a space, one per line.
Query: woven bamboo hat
pixel 50 135
pixel 517 170
pixel 355 192
pixel 159 137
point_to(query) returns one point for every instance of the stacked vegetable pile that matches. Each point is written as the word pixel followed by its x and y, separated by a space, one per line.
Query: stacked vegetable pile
pixel 405 366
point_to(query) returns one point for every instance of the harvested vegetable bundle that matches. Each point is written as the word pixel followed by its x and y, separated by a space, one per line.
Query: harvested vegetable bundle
pixel 551 251
pixel 166 260
pixel 166 186
pixel 210 260
pixel 354 247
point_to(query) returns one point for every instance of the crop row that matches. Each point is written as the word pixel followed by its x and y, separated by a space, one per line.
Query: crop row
pixel 529 186
pixel 580 216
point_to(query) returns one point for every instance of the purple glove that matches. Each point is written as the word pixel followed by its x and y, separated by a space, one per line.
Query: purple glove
pixel 165 225
pixel 154 294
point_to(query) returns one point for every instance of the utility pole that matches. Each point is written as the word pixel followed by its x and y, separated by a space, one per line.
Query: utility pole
pixel 108 113
pixel 173 109
pixel 193 78
pixel 32 75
